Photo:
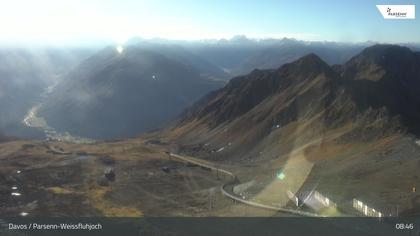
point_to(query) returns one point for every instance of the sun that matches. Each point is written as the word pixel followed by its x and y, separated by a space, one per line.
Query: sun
pixel 120 49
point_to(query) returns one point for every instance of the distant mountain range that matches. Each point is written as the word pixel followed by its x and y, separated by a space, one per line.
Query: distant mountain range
pixel 288 51
pixel 240 55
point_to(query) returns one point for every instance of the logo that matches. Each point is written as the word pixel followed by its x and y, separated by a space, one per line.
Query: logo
pixel 402 12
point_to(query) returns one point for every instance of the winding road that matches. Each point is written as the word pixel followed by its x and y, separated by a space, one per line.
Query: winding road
pixel 227 188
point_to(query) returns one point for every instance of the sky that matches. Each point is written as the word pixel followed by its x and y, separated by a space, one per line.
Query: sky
pixel 63 22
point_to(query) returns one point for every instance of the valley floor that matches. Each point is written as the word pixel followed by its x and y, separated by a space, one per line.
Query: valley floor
pixel 137 177
pixel 61 179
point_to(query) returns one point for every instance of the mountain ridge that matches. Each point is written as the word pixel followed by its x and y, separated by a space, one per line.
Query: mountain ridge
pixel 305 93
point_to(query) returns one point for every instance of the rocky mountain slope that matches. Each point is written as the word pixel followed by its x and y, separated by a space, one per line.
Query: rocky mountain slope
pixel 328 128
pixel 114 95
pixel 182 55
pixel 24 75
pixel 372 85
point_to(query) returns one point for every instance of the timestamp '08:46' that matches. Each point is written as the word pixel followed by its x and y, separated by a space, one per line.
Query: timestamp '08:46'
pixel 404 226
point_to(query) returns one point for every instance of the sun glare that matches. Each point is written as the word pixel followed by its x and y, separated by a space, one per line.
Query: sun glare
pixel 120 49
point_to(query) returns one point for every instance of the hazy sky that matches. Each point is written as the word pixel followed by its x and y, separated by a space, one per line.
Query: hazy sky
pixel 85 21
